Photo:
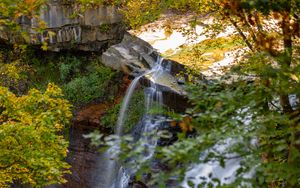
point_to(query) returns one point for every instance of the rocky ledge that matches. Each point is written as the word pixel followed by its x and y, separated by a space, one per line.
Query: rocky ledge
pixel 93 30
pixel 134 57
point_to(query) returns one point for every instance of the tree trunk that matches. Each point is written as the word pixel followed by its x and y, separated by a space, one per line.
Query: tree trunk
pixel 285 104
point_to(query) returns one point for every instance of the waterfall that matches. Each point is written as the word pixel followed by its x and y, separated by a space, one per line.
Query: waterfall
pixel 205 173
pixel 156 71
pixel 125 104
pixel 117 176
pixel 113 174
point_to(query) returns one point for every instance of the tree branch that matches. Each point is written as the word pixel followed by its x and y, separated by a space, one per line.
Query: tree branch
pixel 241 34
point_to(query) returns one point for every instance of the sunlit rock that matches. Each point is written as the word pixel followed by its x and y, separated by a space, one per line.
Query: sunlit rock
pixel 94 30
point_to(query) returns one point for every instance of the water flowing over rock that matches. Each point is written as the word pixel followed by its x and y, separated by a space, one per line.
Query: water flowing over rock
pixel 134 57
pixel 94 30
pixel 145 133
pixel 119 177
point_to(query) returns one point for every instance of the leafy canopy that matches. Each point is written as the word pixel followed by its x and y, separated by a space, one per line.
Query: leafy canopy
pixel 31 141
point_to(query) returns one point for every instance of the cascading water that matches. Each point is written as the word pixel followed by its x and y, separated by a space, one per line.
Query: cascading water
pixel 117 176
pixel 202 174
pixel 205 174
pixel 156 70
pixel 122 114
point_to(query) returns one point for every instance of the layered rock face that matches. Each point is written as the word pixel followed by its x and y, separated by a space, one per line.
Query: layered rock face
pixel 95 29
pixel 134 57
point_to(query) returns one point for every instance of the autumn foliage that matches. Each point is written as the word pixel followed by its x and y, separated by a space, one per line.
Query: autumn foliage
pixel 31 141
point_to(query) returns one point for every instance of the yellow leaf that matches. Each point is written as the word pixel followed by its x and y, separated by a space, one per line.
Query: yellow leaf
pixel 294 77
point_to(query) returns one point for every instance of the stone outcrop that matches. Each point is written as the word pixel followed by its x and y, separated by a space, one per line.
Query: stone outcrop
pixel 95 29
pixel 132 56
pixel 135 56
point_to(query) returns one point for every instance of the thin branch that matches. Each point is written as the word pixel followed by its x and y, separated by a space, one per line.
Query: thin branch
pixel 254 38
pixel 242 34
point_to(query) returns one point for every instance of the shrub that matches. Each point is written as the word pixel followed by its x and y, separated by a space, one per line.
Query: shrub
pixel 84 89
pixel 69 67
pixel 13 75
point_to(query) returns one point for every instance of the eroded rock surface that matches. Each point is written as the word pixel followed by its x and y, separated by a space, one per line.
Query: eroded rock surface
pixel 132 56
pixel 94 30
pixel 135 56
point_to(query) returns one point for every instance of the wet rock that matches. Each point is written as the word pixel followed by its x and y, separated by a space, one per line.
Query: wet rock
pixel 174 98
pixel 166 82
pixel 90 116
pixel 164 124
pixel 171 130
pixel 134 56
pixel 88 165
pixel 84 158
pixel 137 184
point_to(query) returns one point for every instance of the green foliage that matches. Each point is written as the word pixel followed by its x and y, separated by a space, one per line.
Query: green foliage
pixel 32 147
pixel 89 3
pixel 109 120
pixel 141 12
pixel 86 88
pixel 220 112
pixel 13 74
pixel 68 67
pixel 12 11
pixel 134 113
pixel 57 68
pixel 82 79
pixel 104 28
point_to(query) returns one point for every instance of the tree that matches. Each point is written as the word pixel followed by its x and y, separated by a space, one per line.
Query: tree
pixel 11 12
pixel 33 148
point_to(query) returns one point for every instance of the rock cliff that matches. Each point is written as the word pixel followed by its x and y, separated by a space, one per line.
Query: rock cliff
pixel 93 30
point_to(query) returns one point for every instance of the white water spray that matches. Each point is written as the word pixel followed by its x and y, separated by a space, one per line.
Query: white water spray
pixel 116 175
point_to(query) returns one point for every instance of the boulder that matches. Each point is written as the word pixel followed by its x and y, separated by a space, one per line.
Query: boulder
pixel 132 56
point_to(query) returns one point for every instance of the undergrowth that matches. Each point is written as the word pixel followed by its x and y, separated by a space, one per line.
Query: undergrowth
pixel 82 77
